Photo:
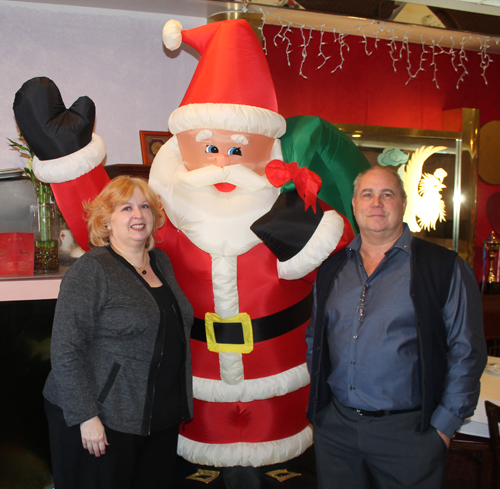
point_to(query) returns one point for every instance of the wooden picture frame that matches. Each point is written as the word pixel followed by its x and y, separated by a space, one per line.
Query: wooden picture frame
pixel 151 142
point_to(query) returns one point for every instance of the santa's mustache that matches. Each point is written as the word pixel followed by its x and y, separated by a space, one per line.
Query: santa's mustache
pixel 237 175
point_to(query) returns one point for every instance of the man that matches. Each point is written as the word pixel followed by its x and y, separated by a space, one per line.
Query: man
pixel 395 349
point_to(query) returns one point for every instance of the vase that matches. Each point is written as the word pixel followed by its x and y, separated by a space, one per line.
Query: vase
pixel 45 227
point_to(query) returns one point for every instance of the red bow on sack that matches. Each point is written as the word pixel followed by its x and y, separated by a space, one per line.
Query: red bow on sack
pixel 306 181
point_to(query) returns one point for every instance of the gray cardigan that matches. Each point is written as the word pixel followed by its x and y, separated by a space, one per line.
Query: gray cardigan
pixel 104 334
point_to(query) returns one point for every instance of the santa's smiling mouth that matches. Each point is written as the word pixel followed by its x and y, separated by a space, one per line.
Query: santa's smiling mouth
pixel 224 187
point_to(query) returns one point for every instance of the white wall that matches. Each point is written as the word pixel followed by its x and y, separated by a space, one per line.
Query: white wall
pixel 115 57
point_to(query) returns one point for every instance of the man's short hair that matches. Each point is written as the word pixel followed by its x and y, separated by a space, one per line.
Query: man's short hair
pixel 396 176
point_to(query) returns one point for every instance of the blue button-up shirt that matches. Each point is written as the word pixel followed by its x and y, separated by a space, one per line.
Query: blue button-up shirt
pixel 372 337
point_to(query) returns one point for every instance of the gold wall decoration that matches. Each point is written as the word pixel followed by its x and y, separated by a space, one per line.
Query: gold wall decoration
pixel 425 204
pixel 489 152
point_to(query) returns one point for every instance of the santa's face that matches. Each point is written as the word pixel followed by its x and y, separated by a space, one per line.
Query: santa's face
pixel 207 147
pixel 216 221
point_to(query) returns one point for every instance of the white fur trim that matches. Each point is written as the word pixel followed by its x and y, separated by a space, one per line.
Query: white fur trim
pixel 172 35
pixel 71 166
pixel 226 304
pixel 211 390
pixel 317 250
pixel 245 454
pixel 225 285
pixel 231 368
pixel 231 117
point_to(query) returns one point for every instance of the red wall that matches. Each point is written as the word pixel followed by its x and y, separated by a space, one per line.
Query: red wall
pixel 368 91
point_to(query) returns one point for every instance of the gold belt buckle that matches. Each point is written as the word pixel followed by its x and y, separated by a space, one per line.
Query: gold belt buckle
pixel 246 324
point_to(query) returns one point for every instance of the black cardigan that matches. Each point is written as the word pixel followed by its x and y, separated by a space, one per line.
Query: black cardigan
pixel 105 331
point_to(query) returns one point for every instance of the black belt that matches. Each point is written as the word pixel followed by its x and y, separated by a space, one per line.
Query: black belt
pixel 379 414
pixel 264 328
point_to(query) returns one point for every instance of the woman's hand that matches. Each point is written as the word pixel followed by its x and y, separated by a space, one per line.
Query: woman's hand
pixel 94 436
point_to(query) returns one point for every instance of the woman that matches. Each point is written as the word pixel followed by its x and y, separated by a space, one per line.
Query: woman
pixel 121 370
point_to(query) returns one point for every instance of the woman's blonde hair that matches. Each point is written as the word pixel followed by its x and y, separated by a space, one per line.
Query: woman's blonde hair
pixel 118 192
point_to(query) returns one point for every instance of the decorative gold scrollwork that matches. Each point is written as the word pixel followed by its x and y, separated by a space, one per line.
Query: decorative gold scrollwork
pixel 282 475
pixel 205 476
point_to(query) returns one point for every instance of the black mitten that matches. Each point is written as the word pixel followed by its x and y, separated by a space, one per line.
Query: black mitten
pixel 50 129
pixel 287 227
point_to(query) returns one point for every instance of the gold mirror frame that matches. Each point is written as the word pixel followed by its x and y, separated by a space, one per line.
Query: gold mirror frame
pixel 466 165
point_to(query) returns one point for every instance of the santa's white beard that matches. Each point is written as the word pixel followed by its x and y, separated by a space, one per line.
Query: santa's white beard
pixel 216 222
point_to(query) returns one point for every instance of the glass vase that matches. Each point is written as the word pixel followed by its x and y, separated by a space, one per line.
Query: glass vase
pixel 45 227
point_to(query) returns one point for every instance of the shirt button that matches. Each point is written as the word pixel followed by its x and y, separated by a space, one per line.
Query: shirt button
pixel 355 336
pixel 353 363
pixel 352 387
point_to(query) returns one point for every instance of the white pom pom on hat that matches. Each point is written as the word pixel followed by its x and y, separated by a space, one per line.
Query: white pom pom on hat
pixel 172 35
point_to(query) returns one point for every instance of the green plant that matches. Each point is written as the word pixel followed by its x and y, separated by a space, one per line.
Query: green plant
pixel 43 193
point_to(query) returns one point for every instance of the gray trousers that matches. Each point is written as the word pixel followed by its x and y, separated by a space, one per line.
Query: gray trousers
pixel 357 452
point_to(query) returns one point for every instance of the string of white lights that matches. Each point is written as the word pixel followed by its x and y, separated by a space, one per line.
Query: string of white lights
pixel 342 45
pixel 397 39
pixel 435 47
pixel 321 54
pixel 422 60
pixel 304 46
pixel 365 41
pixel 453 55
pixel 485 59
pixel 462 56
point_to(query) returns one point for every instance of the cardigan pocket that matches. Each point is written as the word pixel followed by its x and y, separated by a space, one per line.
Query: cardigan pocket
pixel 109 383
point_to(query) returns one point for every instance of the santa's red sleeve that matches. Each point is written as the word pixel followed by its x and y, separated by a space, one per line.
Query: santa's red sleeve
pixel 75 179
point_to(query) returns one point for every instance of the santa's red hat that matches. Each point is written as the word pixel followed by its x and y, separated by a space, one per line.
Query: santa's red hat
pixel 232 87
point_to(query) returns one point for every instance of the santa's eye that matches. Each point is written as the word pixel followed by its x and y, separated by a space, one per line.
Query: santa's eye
pixel 211 149
pixel 234 152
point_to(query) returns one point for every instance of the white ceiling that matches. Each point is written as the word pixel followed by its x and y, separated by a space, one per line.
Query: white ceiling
pixel 490 7
pixel 204 8
pixel 275 15
pixel 189 8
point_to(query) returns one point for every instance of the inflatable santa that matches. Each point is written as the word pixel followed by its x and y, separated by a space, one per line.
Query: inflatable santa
pixel 244 255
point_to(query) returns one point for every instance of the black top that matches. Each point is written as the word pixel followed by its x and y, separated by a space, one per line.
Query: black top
pixel 167 401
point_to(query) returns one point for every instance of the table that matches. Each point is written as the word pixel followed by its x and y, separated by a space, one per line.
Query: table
pixel 477 424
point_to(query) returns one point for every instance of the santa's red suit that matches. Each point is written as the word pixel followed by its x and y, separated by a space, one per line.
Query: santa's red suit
pixel 260 420
pixel 249 408
pixel 248 349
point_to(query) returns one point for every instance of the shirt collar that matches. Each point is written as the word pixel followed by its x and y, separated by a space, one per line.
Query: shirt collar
pixel 402 243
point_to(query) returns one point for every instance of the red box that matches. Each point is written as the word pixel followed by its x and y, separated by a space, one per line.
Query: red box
pixel 17 253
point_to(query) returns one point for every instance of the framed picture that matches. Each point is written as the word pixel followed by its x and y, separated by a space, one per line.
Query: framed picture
pixel 151 142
